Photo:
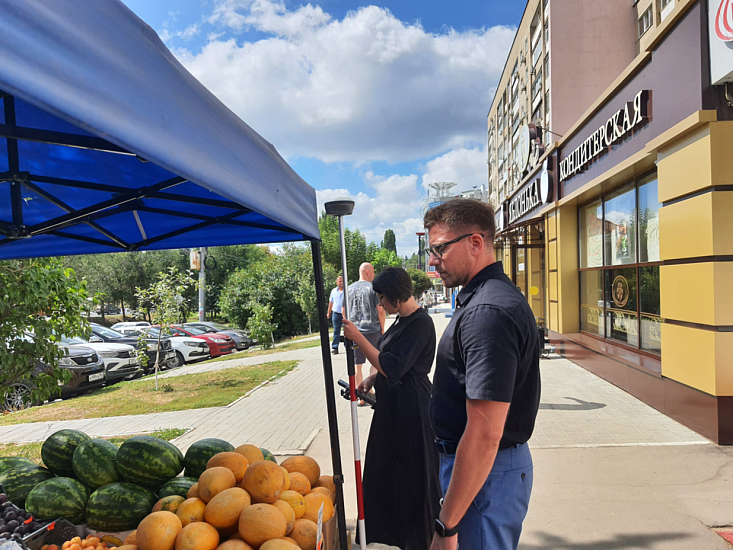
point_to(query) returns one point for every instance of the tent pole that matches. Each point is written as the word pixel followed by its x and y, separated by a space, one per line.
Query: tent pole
pixel 338 476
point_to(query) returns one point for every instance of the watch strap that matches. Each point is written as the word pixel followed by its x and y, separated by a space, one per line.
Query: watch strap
pixel 443 531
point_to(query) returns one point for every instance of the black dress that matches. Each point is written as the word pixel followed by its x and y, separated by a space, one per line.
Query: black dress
pixel 401 481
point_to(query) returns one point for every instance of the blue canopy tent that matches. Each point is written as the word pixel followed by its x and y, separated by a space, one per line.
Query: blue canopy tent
pixel 108 144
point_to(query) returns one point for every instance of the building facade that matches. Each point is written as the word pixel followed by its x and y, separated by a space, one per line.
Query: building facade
pixel 618 227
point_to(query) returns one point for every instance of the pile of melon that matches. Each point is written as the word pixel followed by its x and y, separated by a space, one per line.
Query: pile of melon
pixel 241 502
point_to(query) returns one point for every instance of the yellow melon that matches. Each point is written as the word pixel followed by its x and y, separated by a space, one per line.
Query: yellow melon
pixel 123 547
pixel 300 483
pixel 286 483
pixel 234 544
pixel 261 522
pixel 236 536
pixel 236 462
pixel 168 504
pixel 296 502
pixel 158 531
pixel 304 533
pixel 131 538
pixel 215 480
pixel 287 511
pixel 191 511
pixel 279 544
pixel 326 492
pixel 225 508
pixel 197 536
pixel 305 465
pixel 313 503
pixel 327 482
pixel 292 541
pixel 251 452
pixel 193 492
pixel 263 481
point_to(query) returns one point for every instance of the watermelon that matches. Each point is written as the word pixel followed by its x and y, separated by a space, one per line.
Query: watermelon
pixel 17 482
pixel 200 452
pixel 59 497
pixel 95 463
pixel 148 461
pixel 268 455
pixel 8 462
pixel 57 451
pixel 119 507
pixel 177 486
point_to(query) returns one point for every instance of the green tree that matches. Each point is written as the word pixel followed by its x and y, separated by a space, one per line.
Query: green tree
pixel 420 282
pixel 259 324
pixel 44 298
pixel 357 250
pixel 389 242
pixel 165 299
pixel 384 258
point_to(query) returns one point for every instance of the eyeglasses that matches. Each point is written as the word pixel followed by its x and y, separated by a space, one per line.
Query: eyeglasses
pixel 438 249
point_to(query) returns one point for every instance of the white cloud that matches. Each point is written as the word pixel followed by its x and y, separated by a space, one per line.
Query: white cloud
pixel 466 167
pixel 367 87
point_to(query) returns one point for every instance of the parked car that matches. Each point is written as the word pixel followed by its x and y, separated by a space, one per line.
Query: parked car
pixel 102 334
pixel 120 360
pixel 241 337
pixel 219 344
pixel 125 324
pixel 187 349
pixel 87 373
pixel 109 309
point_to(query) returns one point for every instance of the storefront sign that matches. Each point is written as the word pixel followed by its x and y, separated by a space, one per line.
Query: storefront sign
pixel 720 21
pixel 536 193
pixel 633 114
pixel 500 219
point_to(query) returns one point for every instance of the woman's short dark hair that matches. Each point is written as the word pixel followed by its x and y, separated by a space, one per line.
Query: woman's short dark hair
pixel 394 284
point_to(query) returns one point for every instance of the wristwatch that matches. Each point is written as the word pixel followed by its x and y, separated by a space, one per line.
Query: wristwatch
pixel 443 531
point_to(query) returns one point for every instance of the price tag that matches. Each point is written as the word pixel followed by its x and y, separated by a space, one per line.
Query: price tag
pixel 319 532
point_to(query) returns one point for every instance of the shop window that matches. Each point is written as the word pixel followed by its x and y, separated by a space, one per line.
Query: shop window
pixel 651 322
pixel 648 220
pixel 591 302
pixel 591 235
pixel 621 307
pixel 620 227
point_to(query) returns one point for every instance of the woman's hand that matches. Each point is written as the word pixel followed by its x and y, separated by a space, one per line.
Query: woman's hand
pixel 350 330
pixel 367 384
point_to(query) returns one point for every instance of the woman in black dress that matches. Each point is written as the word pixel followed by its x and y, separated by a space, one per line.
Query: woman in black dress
pixel 401 481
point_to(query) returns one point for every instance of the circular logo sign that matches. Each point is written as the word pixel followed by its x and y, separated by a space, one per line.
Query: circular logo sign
pixel 724 21
pixel 524 146
pixel 620 291
pixel 544 184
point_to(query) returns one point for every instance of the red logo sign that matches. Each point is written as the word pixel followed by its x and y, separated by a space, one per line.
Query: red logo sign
pixel 724 21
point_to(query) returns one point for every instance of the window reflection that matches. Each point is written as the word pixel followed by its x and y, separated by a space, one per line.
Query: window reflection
pixel 620 226
pixel 591 235
pixel 648 220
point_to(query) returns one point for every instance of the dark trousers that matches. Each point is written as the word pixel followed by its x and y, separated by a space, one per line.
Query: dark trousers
pixel 337 319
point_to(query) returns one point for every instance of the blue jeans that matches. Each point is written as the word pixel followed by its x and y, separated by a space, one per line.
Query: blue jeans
pixel 337 320
pixel 494 519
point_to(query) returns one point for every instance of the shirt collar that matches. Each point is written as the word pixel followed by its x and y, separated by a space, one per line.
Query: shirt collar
pixel 489 272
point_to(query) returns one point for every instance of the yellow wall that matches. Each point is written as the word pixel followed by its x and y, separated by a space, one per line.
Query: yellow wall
pixel 568 281
pixel 698 293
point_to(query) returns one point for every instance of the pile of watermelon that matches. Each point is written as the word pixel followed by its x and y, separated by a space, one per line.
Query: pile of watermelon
pixel 110 488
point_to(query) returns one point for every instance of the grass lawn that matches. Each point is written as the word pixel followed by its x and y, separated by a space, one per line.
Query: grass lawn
pixel 193 391
pixel 32 451
pixel 291 345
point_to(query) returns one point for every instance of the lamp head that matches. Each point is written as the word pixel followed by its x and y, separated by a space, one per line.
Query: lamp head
pixel 341 207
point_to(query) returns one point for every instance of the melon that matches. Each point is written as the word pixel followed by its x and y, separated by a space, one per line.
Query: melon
pixel 7 462
pixel 261 522
pixel 250 452
pixel 191 511
pixel 326 492
pixel 224 509
pixel 287 511
pixel 267 455
pixel 158 531
pixel 296 502
pixel 18 482
pixel 57 452
pixel 286 483
pixel 118 507
pixel 95 463
pixel 327 482
pixel 197 536
pixel 313 502
pixel 304 533
pixel 198 454
pixel 193 491
pixel 299 483
pixel 279 544
pixel 177 486
pixel 168 504
pixel 263 481
pixel 305 465
pixel 292 541
pixel 58 497
pixel 123 547
pixel 149 461
pixel 215 480
pixel 234 544
pixel 236 462
pixel 131 538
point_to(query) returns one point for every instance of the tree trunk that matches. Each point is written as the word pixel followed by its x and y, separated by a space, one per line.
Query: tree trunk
pixel 102 311
pixel 124 317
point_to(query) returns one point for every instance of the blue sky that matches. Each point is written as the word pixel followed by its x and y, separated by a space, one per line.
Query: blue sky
pixel 367 101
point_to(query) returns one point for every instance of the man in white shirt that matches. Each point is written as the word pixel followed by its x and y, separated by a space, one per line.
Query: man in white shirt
pixel 335 311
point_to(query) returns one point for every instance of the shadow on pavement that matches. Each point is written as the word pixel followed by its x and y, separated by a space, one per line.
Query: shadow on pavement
pixel 554 542
pixel 580 406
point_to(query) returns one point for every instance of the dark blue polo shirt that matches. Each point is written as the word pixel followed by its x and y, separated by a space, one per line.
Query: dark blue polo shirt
pixel 489 351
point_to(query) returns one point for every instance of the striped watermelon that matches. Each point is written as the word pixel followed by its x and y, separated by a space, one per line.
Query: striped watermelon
pixel 95 463
pixel 59 497
pixel 119 507
pixel 17 482
pixel 57 451
pixel 148 461
pixel 200 452
pixel 177 486
pixel 8 462
pixel 268 455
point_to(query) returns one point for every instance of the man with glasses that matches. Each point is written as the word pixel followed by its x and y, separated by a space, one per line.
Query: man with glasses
pixel 486 388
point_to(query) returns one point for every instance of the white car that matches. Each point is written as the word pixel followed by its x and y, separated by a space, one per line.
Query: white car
pixel 120 360
pixel 187 349
pixel 132 324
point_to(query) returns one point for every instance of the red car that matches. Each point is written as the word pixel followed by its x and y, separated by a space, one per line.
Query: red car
pixel 219 344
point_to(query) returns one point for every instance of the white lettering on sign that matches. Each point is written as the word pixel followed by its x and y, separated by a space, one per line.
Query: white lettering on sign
pixel 619 125
pixel 534 194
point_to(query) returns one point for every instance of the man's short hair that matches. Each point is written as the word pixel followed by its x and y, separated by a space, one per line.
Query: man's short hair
pixel 463 216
